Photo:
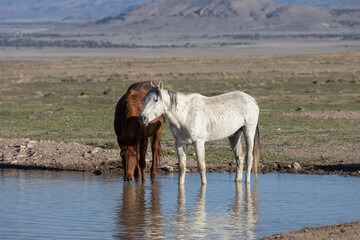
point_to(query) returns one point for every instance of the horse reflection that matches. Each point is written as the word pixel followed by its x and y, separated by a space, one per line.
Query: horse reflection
pixel 200 214
pixel 181 218
pixel 137 216
pixel 194 222
pixel 245 211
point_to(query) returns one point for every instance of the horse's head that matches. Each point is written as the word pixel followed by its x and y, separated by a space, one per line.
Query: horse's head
pixel 154 105
pixel 129 161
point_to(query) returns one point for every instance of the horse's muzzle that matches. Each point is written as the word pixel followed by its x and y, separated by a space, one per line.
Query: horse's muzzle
pixel 143 120
pixel 128 177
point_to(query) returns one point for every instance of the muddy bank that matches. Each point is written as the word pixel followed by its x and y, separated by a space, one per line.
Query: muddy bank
pixel 347 231
pixel 25 153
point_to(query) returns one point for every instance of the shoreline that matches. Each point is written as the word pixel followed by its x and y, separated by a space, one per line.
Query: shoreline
pixel 50 155
pixel 344 231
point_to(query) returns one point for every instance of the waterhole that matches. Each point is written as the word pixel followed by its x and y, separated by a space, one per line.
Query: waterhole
pixel 71 205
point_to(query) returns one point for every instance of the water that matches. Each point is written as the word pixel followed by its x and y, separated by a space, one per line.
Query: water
pixel 71 205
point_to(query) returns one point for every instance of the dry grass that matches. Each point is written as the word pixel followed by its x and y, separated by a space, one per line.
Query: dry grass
pixel 74 100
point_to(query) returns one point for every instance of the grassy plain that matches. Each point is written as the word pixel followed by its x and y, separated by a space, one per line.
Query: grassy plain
pixel 73 100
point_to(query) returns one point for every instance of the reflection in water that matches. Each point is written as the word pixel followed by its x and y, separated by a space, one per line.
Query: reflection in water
pixel 72 205
pixel 137 216
pixel 180 226
pixel 245 216
pixel 196 223
pixel 200 214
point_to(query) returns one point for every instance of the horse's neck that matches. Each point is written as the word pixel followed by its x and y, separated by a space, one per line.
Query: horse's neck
pixel 176 108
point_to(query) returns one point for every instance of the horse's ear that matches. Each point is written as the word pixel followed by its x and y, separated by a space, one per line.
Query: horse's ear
pixel 151 85
pixel 161 85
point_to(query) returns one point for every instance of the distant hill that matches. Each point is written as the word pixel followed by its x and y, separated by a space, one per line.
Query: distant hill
pixel 220 17
pixel 86 10
pixel 172 23
pixel 325 4
pixel 67 10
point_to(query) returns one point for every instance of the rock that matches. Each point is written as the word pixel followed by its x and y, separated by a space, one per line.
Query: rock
pixel 29 145
pixel 97 172
pixel 296 166
pixel 168 169
pixel 95 150
pixel 287 167
pixel 20 146
pixel 300 109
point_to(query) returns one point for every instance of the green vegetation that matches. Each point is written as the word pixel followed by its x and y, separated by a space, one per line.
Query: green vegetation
pixel 74 100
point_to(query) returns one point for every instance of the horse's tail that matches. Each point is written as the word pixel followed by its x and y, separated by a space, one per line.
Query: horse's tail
pixel 256 151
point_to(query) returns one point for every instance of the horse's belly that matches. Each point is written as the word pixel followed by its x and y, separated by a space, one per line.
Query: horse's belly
pixel 224 129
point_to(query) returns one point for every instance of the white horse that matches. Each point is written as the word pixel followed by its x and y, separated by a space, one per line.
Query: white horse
pixel 196 119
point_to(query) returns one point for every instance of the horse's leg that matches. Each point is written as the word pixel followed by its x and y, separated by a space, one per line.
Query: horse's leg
pixel 137 171
pixel 155 144
pixel 200 157
pixel 142 162
pixel 235 143
pixel 122 160
pixel 181 151
pixel 249 132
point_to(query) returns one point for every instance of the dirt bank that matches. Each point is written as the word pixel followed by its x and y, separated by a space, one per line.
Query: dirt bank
pixel 347 231
pixel 25 153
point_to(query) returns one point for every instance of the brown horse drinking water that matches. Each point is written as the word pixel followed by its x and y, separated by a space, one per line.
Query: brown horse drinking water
pixel 132 136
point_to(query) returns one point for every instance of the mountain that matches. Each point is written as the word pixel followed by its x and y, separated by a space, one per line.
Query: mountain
pixel 325 4
pixel 86 10
pixel 177 23
pixel 68 10
pixel 220 17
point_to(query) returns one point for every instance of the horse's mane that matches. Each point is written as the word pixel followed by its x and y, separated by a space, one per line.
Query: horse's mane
pixel 173 99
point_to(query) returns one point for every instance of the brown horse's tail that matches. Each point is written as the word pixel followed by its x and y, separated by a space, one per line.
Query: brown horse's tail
pixel 256 151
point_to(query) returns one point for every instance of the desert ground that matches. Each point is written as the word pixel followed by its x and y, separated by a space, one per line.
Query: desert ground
pixel 254 47
pixel 309 103
pixel 57 113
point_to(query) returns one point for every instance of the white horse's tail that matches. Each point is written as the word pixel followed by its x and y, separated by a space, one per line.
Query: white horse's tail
pixel 256 151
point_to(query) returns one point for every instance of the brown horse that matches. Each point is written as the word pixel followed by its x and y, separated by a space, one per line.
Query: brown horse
pixel 132 136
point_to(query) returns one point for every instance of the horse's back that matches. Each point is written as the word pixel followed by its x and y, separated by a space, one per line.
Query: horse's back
pixel 227 104
pixel 238 96
pixel 227 113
